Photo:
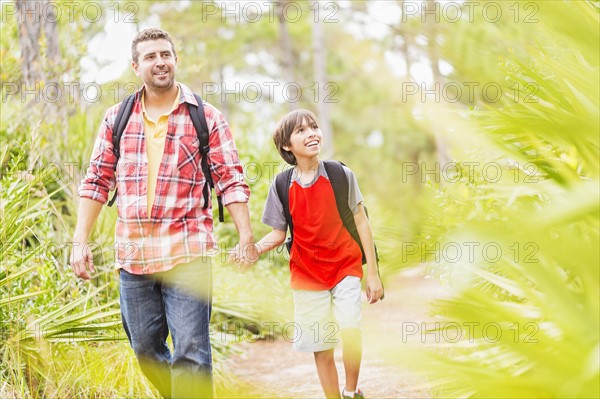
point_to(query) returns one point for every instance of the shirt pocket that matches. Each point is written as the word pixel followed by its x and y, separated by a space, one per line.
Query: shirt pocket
pixel 131 171
pixel 128 166
pixel 188 156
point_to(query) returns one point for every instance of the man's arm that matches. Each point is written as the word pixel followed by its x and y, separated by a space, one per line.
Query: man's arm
pixel 374 287
pixel 228 175
pixel 82 260
pixel 93 193
pixel 246 249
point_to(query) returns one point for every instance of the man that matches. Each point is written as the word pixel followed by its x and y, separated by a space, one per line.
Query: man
pixel 163 232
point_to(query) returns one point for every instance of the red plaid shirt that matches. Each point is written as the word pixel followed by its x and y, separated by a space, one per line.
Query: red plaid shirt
pixel 178 228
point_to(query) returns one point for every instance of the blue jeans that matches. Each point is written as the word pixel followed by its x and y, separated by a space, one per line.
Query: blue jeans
pixel 178 302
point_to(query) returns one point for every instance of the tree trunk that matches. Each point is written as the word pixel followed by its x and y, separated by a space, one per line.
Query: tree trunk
pixel 33 17
pixel 287 57
pixel 432 47
pixel 405 35
pixel 441 146
pixel 51 32
pixel 29 23
pixel 224 106
pixel 322 88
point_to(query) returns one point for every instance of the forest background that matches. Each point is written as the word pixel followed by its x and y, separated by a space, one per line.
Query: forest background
pixel 473 129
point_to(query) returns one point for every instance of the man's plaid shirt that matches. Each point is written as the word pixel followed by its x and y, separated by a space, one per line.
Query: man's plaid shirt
pixel 178 228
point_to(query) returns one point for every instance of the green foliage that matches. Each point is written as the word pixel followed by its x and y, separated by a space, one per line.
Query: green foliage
pixel 248 298
pixel 542 292
pixel 63 337
pixel 41 307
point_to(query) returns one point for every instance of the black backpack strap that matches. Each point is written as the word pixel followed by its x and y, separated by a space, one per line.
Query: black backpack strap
pixel 341 189
pixel 282 186
pixel 121 120
pixel 199 121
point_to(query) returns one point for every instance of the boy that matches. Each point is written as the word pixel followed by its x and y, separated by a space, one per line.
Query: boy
pixel 325 261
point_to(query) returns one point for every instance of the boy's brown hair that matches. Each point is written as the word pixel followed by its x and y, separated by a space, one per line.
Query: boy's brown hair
pixel 147 35
pixel 285 128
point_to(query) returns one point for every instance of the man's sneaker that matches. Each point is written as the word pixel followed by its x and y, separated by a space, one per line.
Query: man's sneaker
pixel 357 395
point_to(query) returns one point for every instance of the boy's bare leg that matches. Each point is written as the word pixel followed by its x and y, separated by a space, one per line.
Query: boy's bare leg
pixel 328 373
pixel 351 338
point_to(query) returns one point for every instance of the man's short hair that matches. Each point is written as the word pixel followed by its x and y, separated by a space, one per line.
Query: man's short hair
pixel 150 34
pixel 285 128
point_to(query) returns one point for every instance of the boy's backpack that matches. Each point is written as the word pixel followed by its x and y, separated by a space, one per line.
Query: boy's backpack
pixel 341 187
pixel 199 122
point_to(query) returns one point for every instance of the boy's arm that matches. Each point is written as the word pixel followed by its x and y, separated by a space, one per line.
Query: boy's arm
pixel 374 287
pixel 272 240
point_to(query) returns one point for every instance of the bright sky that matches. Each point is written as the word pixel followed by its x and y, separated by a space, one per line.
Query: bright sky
pixel 114 44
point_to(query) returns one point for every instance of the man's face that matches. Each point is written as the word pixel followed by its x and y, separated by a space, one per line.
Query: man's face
pixel 156 64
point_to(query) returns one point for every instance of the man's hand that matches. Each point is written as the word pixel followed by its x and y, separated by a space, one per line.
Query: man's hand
pixel 374 288
pixel 244 254
pixel 82 260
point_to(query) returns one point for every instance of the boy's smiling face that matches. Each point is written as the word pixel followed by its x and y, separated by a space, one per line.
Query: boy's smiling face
pixel 305 140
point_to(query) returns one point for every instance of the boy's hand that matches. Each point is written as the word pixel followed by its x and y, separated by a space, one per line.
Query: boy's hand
pixel 244 256
pixel 374 288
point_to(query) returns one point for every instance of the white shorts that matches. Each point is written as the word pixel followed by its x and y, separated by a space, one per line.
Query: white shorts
pixel 320 315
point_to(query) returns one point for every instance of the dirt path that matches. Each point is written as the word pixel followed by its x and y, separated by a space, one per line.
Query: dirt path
pixel 273 370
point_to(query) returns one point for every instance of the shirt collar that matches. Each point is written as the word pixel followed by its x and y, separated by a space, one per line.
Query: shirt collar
pixel 173 108
pixel 185 94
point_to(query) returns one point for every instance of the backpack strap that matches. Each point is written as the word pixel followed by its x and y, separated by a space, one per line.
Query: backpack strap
pixel 118 128
pixel 341 187
pixel 199 121
pixel 282 186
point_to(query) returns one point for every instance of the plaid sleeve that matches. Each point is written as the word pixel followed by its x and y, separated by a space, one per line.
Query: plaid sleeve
pixel 100 175
pixel 225 164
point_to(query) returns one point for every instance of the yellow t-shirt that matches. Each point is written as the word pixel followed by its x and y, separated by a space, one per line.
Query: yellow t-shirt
pixel 155 133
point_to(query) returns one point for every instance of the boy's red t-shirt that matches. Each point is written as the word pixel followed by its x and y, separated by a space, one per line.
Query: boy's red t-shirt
pixel 323 251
